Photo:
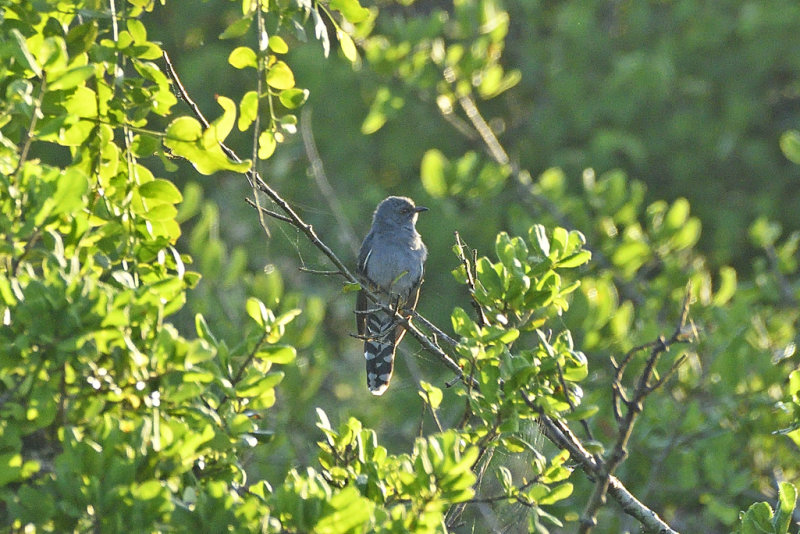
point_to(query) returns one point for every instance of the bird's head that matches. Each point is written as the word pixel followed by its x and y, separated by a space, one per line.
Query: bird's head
pixel 398 210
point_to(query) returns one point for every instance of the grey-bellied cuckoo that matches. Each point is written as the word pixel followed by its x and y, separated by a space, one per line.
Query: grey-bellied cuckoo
pixel 391 261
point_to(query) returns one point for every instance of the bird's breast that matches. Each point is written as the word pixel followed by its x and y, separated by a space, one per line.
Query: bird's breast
pixel 395 270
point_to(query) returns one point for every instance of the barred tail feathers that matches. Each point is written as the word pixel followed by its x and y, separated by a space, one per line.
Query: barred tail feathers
pixel 379 351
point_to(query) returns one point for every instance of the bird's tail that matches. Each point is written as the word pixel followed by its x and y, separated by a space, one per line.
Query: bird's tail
pixel 379 350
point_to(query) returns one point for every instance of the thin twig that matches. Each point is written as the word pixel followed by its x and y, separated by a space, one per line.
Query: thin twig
pixel 262 48
pixel 265 211
pixel 633 408
pixel 321 179
pixel 319 272
pixel 468 269
pixel 296 221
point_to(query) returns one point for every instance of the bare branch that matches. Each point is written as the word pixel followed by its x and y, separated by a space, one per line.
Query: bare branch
pixel 265 211
pixel 295 220
pixel 633 408
pixel 555 430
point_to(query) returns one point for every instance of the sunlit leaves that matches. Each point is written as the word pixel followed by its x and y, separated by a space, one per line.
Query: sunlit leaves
pixel 790 145
pixel 347 44
pixel 186 138
pixel 384 106
pixel 248 110
pixel 266 144
pixel 243 57
pixel 280 76
pixel 237 28
pixel 277 44
pixel 761 518
pixel 468 176
pixel 293 98
pixel 350 9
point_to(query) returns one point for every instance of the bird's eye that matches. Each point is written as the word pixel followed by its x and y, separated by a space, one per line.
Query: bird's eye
pixel 405 211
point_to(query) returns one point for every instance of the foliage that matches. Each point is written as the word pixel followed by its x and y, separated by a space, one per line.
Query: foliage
pixel 137 394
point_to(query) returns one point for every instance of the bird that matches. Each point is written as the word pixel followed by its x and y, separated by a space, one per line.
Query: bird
pixel 391 261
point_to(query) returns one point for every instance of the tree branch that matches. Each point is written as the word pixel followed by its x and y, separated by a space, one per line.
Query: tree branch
pixel 633 408
pixel 295 220
pixel 555 430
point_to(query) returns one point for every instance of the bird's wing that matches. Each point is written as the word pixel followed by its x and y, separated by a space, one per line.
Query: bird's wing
pixel 361 300
pixel 364 253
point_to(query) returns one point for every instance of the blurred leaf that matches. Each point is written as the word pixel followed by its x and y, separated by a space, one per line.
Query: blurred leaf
pixel 790 145
pixel 237 28
pixel 431 394
pixel 351 10
pixel 432 173
pixel 347 45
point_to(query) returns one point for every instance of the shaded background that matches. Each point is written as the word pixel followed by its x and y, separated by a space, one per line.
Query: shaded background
pixel 690 98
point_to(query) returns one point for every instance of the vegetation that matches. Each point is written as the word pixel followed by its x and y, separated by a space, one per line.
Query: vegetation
pixel 584 358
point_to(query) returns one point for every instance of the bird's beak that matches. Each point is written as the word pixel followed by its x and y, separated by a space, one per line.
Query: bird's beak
pixel 420 209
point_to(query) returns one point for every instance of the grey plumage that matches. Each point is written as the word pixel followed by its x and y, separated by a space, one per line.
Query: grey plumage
pixel 391 261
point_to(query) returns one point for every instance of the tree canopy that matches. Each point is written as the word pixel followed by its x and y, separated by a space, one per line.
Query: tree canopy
pixel 606 337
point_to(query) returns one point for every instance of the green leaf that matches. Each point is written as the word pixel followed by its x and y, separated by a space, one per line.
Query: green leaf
pixel 23 54
pixel 278 45
pixel 281 354
pixel 280 76
pixel 349 288
pixel 223 125
pixel 790 145
pixel 575 260
pixel 727 285
pixel 71 78
pixel 161 192
pixel 186 139
pixel 237 28
pixel 71 187
pixel 787 499
pixel 243 57
pixel 765 233
pixel 266 144
pixel 431 394
pixel 257 385
pixel 348 46
pixel 537 235
pixel 248 110
pixel 10 468
pixel 585 411
pixel 559 493
pixel 462 324
pixel 137 30
pixel 351 10
pixel 432 175
pixel 345 511
pixel 258 312
pixel 505 478
pixel 81 37
pixel 758 519
pixel 293 98
pixel 488 277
